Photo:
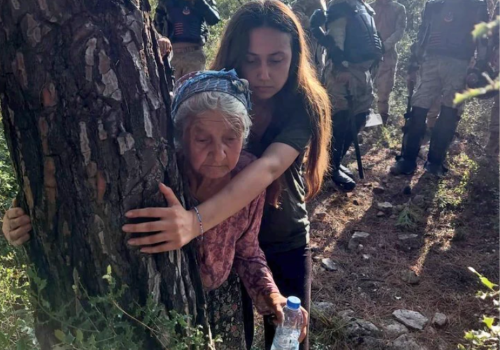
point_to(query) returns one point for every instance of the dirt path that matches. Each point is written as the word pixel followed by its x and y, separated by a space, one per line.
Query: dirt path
pixel 456 223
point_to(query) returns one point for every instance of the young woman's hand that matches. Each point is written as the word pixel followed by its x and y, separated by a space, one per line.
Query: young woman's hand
pixel 276 302
pixel 174 228
pixel 16 225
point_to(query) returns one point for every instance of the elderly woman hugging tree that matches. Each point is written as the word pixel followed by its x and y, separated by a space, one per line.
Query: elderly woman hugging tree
pixel 212 122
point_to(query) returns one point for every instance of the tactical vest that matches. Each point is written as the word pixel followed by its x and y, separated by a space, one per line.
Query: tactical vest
pixel 450 26
pixel 362 42
pixel 188 25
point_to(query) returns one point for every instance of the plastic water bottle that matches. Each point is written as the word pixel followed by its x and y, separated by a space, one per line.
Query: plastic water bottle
pixel 288 333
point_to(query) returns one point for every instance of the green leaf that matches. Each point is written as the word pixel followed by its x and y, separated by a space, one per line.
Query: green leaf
pixel 60 335
pixel 469 336
pixel 108 270
pixel 79 335
pixel 487 283
pixel 488 321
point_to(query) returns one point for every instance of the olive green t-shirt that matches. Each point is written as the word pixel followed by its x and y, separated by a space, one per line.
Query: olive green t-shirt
pixel 286 227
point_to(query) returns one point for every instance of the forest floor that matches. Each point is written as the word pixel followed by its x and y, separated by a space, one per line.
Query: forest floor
pixel 456 222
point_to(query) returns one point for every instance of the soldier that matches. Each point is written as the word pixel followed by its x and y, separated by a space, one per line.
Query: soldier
pixel 390 19
pixel 443 51
pixel 185 23
pixel 304 9
pixel 352 46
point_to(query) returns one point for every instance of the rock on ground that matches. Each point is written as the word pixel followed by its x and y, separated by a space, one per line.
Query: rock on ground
pixel 384 206
pixel 412 319
pixel 346 315
pixel 410 277
pixel 329 264
pixel 371 343
pixel 324 307
pixel 406 342
pixel 362 328
pixel 356 239
pixel 439 320
pixel 393 329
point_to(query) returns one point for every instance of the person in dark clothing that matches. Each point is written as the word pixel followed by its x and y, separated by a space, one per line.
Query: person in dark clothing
pixel 184 24
pixel 353 46
pixel 442 52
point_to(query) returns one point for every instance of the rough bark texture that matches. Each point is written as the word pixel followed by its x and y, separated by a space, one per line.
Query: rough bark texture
pixel 84 99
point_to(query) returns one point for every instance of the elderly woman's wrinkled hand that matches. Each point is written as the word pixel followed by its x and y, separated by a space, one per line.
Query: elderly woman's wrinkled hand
pixel 16 225
pixel 174 228
pixel 276 302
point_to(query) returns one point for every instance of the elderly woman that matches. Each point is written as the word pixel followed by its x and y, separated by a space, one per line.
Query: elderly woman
pixel 211 119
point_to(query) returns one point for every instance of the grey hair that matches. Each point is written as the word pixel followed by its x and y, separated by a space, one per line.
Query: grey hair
pixel 235 113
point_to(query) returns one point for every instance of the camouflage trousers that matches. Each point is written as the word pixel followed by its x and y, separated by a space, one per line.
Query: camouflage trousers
pixel 440 76
pixel 360 86
pixel 384 80
pixel 433 114
pixel 187 60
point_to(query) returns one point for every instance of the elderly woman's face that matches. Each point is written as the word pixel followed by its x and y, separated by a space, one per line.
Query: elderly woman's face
pixel 213 146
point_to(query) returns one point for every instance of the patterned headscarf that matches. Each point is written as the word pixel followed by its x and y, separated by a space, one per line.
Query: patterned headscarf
pixel 209 80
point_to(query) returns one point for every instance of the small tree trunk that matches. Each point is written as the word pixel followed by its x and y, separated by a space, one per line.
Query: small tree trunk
pixel 87 119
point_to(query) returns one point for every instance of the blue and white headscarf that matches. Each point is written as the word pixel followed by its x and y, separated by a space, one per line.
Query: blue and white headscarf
pixel 209 80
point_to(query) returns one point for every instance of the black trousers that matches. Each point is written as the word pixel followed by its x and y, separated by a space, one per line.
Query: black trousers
pixel 292 274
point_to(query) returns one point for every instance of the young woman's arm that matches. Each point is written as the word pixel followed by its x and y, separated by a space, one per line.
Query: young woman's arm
pixel 248 184
pixel 180 226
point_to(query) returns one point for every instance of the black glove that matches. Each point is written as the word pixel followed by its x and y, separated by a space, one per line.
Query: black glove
pixel 318 19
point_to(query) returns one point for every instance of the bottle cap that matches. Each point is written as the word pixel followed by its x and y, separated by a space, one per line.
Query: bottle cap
pixel 293 303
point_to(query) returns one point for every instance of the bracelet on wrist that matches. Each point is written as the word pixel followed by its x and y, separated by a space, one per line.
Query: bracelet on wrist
pixel 200 221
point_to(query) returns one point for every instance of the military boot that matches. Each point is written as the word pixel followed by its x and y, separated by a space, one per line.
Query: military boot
pixel 360 121
pixel 442 135
pixel 341 131
pixel 414 130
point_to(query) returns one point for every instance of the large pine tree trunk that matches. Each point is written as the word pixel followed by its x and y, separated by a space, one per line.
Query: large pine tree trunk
pixel 86 114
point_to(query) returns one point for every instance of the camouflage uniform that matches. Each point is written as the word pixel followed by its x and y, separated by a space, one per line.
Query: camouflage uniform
pixel 304 9
pixel 188 59
pixel 443 51
pixel 433 114
pixel 352 45
pixel 360 83
pixel 390 19
pixel 440 75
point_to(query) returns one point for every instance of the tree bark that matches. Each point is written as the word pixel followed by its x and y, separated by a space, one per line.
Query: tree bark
pixel 86 112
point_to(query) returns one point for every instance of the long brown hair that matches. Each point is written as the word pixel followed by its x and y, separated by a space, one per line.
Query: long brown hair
pixel 302 85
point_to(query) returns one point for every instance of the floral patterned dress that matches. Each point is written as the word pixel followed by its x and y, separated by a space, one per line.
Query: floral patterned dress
pixel 229 252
